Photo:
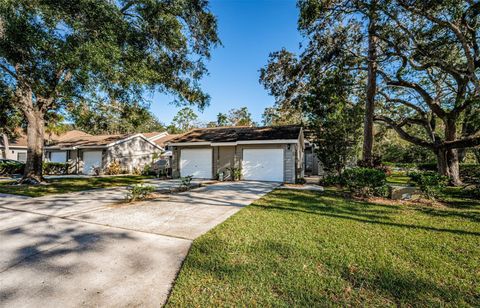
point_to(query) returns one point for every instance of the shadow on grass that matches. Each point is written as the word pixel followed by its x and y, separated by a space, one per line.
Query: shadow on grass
pixel 333 204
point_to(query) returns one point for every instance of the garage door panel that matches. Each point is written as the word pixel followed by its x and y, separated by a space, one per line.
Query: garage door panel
pixel 196 162
pixel 91 160
pixel 263 165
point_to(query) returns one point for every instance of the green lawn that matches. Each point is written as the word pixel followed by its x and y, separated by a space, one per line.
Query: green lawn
pixel 66 185
pixel 398 177
pixel 298 248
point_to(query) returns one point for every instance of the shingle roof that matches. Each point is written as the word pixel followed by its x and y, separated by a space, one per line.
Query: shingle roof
pixel 239 133
pixel 82 141
pixel 164 140
pixel 152 134
pixel 21 139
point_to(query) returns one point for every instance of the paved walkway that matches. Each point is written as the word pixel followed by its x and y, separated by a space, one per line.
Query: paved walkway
pixel 87 249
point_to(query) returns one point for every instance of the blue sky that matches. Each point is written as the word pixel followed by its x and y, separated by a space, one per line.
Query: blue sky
pixel 249 30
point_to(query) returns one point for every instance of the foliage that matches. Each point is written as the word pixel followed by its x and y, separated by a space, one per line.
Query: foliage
pixel 300 181
pixel 240 117
pixel 335 123
pixel 183 121
pixel 470 173
pixel 365 181
pixel 55 168
pixel 9 168
pixel 54 55
pixel 235 173
pixel 10 116
pixel 139 192
pixel 222 119
pixel 430 183
pixel 331 180
pixel 99 117
pixel 427 167
pixel 326 93
pixel 114 168
pixel 375 163
pixel 186 182
pixel 308 249
pixel 391 148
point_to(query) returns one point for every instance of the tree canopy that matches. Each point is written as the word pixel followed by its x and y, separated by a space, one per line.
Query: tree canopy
pixel 54 53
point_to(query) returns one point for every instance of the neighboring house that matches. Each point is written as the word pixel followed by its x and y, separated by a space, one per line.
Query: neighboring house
pixel 262 153
pixel 92 154
pixel 17 148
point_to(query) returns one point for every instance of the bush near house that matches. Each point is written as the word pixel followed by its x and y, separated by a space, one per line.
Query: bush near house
pixel 55 168
pixel 365 181
pixel 9 168
pixel 114 168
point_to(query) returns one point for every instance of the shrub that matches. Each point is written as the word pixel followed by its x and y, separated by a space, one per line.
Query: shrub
pixel 186 182
pixel 331 180
pixel 427 167
pixel 364 181
pixel 8 168
pixel 430 183
pixel 235 173
pixel 470 173
pixel 139 192
pixel 375 164
pixel 113 168
pixel 54 168
pixel 301 181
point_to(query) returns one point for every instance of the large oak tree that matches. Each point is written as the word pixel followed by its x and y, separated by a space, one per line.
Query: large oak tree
pixel 58 52
pixel 433 56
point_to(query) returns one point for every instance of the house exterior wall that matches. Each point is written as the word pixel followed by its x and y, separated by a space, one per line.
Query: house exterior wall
pixel 13 153
pixel 132 154
pixel 231 156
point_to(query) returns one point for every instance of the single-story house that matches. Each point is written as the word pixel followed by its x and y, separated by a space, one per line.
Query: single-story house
pixel 17 148
pixel 261 153
pixel 89 154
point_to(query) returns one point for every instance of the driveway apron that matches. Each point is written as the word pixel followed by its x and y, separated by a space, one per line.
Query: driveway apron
pixel 88 249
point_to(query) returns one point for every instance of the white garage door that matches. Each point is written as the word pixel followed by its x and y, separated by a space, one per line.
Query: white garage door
pixel 58 157
pixel 263 165
pixel 91 160
pixel 196 162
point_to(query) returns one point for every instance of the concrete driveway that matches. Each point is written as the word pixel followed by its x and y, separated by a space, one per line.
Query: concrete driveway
pixel 86 249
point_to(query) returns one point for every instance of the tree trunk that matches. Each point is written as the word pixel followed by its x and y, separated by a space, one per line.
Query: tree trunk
pixel 6 145
pixel 450 162
pixel 35 141
pixel 371 87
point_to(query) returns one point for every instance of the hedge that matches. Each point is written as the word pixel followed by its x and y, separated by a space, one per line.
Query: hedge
pixel 55 168
pixel 9 168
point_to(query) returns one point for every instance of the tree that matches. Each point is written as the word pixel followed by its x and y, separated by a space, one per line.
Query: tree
pixel 222 119
pixel 184 120
pixel 240 117
pixel 434 58
pixel 58 52
pixel 113 118
pixel 10 118
pixel 324 19
pixel 335 120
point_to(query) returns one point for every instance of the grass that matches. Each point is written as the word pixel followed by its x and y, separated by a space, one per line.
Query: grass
pixel 300 248
pixel 66 185
pixel 398 178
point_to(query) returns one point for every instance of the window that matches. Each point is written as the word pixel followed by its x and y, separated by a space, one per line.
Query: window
pixel 22 156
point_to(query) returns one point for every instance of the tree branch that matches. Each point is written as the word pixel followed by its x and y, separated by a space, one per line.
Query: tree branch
pixel 402 133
